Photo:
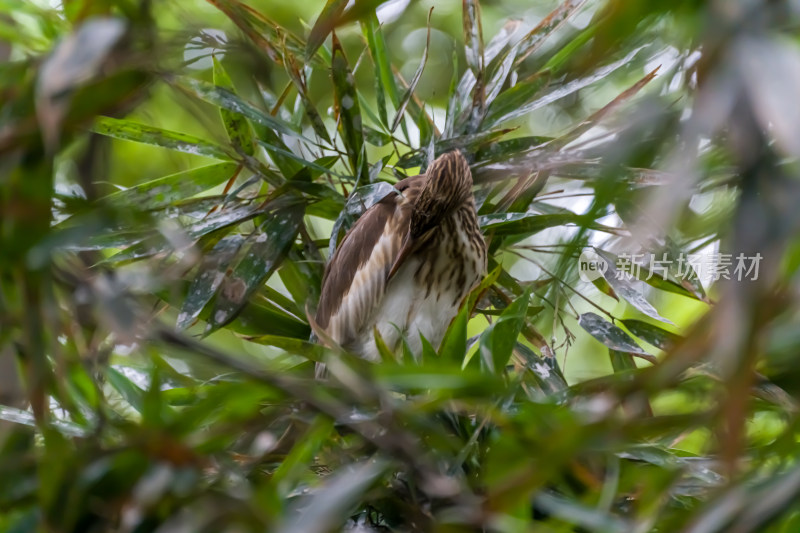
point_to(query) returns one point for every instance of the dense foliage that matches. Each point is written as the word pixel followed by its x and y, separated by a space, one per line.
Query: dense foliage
pixel 173 176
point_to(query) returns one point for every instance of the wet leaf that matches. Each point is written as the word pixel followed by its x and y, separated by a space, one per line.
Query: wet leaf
pixel 25 418
pixel 172 140
pixel 208 279
pixel 235 124
pixel 180 186
pixel 263 254
pixel 628 288
pixel 508 103
pixel 611 336
pixel 652 334
pixel 548 374
pixel 349 113
pixel 225 99
pixel 267 35
pixel 510 111
pixel 469 143
pixel 535 38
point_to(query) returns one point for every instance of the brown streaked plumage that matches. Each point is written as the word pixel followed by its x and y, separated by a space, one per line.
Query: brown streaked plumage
pixel 407 263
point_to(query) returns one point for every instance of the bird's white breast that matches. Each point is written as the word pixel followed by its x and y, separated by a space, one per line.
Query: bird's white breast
pixel 409 309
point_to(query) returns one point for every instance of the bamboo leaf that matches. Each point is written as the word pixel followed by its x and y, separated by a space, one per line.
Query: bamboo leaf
pixel 652 334
pixel 629 288
pixel 326 22
pixel 349 113
pixel 415 80
pixel 454 343
pixel 499 339
pixel 226 99
pixel 208 279
pixel 384 78
pixel 611 336
pixel 175 187
pixel 172 140
pixel 235 124
pixel 557 92
pixel 263 255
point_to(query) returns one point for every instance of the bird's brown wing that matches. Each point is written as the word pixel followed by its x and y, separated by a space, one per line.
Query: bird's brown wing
pixel 355 278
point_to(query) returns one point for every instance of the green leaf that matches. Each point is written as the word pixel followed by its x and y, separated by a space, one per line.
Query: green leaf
pixel 208 278
pixel 522 106
pixel 265 251
pixel 295 465
pixel 225 99
pixel 175 187
pixel 552 22
pixel 298 77
pixel 507 105
pixel 384 78
pixel 415 80
pixel 629 288
pixel 172 140
pixel 621 361
pixel 258 317
pixel 130 392
pixel 549 376
pixel 652 334
pixel 235 124
pixel 294 346
pixel 326 22
pixel 611 336
pixel 349 113
pixel 498 340
pixel 326 507
pixel 454 343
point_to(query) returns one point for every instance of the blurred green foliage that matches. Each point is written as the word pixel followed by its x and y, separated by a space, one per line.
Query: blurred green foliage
pixel 173 176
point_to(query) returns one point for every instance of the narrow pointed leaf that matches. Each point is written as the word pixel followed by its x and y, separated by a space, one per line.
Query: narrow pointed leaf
pixel 326 22
pixel 628 288
pixel 561 90
pixel 652 334
pixel 323 507
pixel 208 279
pixel 454 344
pixel 133 131
pixel 175 187
pixel 536 37
pixel 384 79
pixel 263 255
pixel 236 125
pixel 349 112
pixel 498 340
pixel 226 99
pixel 610 335
pixel 415 80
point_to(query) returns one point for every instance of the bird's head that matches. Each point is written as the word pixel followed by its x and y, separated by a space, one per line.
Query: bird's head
pixel 448 185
